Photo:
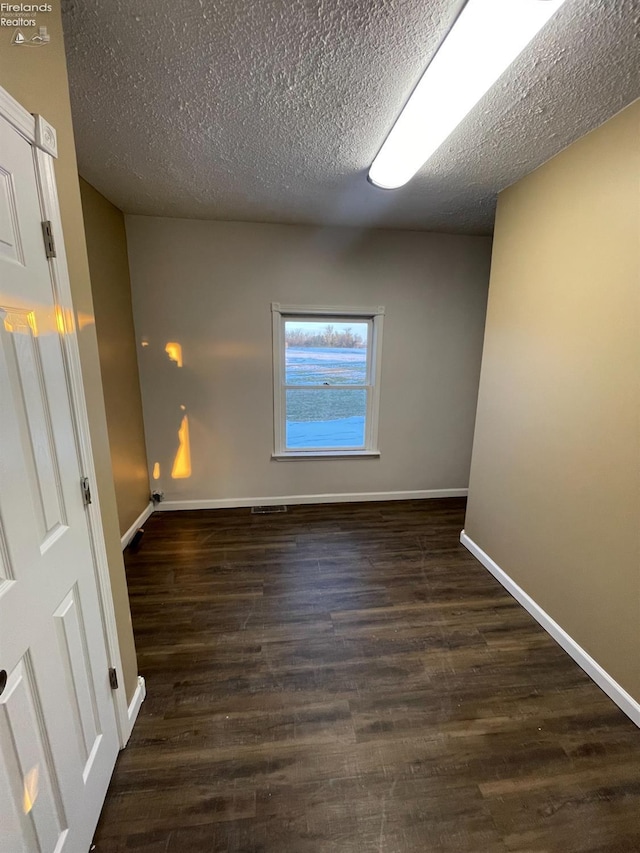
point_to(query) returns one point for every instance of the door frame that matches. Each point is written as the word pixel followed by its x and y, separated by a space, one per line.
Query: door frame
pixel 42 137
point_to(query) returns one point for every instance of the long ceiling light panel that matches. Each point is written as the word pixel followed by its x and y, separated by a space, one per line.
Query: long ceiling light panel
pixel 485 39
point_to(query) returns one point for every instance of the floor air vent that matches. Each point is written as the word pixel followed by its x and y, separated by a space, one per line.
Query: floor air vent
pixel 267 510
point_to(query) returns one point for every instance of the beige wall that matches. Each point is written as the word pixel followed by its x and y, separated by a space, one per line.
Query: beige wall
pixel 37 78
pixel 111 290
pixel 209 287
pixel 555 478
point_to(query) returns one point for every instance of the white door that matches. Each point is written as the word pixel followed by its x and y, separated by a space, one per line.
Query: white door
pixel 58 735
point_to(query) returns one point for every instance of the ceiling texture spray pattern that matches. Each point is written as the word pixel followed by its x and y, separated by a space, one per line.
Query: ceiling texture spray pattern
pixel 272 111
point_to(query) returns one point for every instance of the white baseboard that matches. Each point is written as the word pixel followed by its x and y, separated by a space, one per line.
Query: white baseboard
pixel 134 708
pixel 614 691
pixel 291 500
pixel 140 520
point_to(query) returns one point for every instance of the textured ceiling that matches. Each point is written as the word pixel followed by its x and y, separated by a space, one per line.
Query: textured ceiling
pixel 272 110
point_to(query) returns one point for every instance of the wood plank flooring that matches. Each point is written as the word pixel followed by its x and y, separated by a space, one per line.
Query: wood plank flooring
pixel 347 678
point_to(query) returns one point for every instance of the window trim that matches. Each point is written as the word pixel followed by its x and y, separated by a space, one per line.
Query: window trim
pixel 374 316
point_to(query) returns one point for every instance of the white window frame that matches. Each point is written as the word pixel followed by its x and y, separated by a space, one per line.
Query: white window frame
pixel 374 317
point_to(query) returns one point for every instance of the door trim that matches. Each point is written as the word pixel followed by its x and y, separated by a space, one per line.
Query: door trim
pixel 42 137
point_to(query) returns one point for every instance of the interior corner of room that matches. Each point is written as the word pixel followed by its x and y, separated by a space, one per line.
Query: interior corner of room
pixel 508 371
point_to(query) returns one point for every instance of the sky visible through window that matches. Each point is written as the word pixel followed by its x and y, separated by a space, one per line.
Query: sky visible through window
pixel 328 356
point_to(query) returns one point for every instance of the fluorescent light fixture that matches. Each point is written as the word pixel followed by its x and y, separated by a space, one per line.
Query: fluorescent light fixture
pixel 485 39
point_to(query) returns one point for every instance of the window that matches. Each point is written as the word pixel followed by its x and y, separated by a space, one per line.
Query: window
pixel 326 380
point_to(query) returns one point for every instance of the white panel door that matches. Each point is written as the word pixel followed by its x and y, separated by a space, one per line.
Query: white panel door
pixel 58 735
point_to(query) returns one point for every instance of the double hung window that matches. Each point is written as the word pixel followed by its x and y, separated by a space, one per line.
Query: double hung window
pixel 326 380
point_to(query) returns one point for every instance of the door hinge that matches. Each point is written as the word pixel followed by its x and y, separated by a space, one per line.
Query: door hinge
pixel 49 242
pixel 113 678
pixel 86 490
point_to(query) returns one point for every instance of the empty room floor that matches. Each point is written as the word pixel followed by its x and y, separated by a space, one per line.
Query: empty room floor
pixel 348 678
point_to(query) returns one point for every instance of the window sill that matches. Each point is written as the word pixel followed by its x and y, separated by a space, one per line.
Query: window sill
pixel 325 454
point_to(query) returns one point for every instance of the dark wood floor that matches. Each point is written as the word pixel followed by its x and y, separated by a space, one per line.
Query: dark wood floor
pixel 348 678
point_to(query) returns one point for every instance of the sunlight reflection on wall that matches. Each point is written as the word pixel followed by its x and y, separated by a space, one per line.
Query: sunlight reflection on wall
pixel 174 351
pixel 85 320
pixel 171 452
pixel 182 463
